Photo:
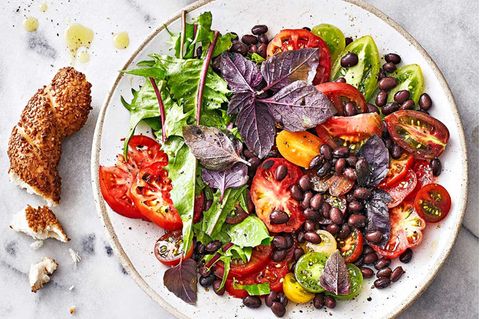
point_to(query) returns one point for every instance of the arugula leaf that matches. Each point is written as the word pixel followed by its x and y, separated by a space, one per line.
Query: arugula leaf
pixel 153 72
pixel 377 156
pixel 335 277
pixel 254 289
pixel 235 176
pixel 251 232
pixel 182 280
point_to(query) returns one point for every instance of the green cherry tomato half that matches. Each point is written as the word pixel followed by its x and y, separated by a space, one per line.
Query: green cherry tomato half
pixel 333 36
pixel 409 77
pixel 308 270
pixel 364 75
pixel 356 282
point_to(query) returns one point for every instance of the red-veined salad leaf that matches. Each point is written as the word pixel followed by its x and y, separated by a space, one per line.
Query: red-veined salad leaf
pixel 211 147
pixel 235 176
pixel 335 278
pixel 378 215
pixel 182 280
pixel 377 156
pixel 241 74
pixel 300 106
pixel 290 66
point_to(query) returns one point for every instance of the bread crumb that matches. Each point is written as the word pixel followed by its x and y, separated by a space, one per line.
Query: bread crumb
pixel 36 244
pixel 75 256
pixel 72 310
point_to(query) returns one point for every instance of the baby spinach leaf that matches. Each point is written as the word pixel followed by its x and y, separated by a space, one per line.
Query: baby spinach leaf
pixel 376 154
pixel 235 176
pixel 378 215
pixel 299 106
pixel 211 147
pixel 254 289
pixel 335 278
pixel 251 232
pixel 290 66
pixel 242 75
pixel 182 280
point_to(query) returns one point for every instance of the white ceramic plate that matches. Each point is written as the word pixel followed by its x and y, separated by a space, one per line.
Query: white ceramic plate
pixel 133 240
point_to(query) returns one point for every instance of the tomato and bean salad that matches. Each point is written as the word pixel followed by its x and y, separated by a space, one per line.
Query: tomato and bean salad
pixel 288 169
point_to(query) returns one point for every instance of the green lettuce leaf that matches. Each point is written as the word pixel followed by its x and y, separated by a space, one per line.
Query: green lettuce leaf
pixel 251 232
pixel 254 289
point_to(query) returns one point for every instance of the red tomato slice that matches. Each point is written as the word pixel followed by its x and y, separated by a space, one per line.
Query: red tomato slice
pixel 168 248
pixel 268 195
pixel 144 151
pixel 260 257
pixel 424 174
pixel 341 93
pixel 273 274
pixel 294 39
pixel 151 195
pixel 433 203
pixel 418 133
pixel 238 293
pixel 405 231
pixel 401 189
pixel 397 170
pixel 351 248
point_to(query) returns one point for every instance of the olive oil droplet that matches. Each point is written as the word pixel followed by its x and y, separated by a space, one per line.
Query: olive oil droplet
pixel 78 36
pixel 30 24
pixel 44 7
pixel 121 40
pixel 83 56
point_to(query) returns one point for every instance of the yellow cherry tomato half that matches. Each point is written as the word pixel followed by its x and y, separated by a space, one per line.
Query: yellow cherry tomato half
pixel 328 245
pixel 294 292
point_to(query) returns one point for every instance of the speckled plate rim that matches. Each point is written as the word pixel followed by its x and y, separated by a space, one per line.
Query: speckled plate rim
pixel 96 148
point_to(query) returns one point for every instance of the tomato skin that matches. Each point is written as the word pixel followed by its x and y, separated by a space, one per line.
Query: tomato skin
pixel 298 148
pixel 399 191
pixel 238 293
pixel 351 248
pixel 332 36
pixel 433 203
pixel 418 133
pixel 167 240
pixel 397 170
pixel 259 259
pixel 151 195
pixel 273 274
pixel 341 93
pixel 406 228
pixel 409 77
pixel 294 39
pixel 144 151
pixel 294 291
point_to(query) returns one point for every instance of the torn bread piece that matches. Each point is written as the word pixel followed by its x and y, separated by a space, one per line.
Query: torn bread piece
pixel 40 223
pixel 40 273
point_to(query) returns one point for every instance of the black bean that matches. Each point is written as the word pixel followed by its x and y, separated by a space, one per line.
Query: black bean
pixel 341 152
pixel 306 200
pixel 259 29
pixel 330 302
pixel 278 309
pixel 382 263
pixel 401 96
pixel 333 229
pixel 388 143
pixel 425 102
pixel 381 98
pixel 249 39
pixel 406 256
pixel 350 109
pixel 387 83
pixel 216 287
pixel 367 272
pixel 319 301
pixel 301 237
pixel 436 166
pixel 362 193
pixel 297 253
pixel 370 258
pixel 374 237
pixel 344 231
pixel 199 51
pixel 307 28
pixel 289 239
pixel 381 283
pixel 407 105
pixel 316 161
pixel 279 242
pixel 279 255
pixel 367 249
pixel 348 40
pixel 316 201
pixel 350 174
pixel 385 133
pixel 252 302
pixel 324 169
pixel 355 206
pixel 341 80
pixel 207 281
pixel 278 217
pixel 263 38
pixel 389 67
pixel 396 151
pixel 252 48
pixel 348 60
pixel 326 209
pixel 305 183
pixel 296 192
pixel 213 246
pixel 262 50
pixel 326 151
pixel 393 58
pixel 254 163
pixel 336 215
pixel 382 74
pixel 204 271
pixel 340 166
pixel 270 298
pixel 385 272
pixel 361 168
pixel 239 47
pixel 280 172
pixel 397 273
pixel 359 262
pixel 357 220
pixel 313 237
pixel 390 108
pixel 282 299
pixel 372 108
pixel 351 160
pixel 312 214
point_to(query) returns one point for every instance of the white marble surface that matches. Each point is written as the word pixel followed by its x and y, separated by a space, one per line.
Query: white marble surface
pixel 102 288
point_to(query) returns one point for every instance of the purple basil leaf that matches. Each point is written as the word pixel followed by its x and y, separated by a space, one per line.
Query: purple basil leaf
pixel 257 128
pixel 290 66
pixel 377 214
pixel 335 277
pixel 240 73
pixel 235 176
pixel 377 156
pixel 182 280
pixel 211 147
pixel 300 106
pixel 240 100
